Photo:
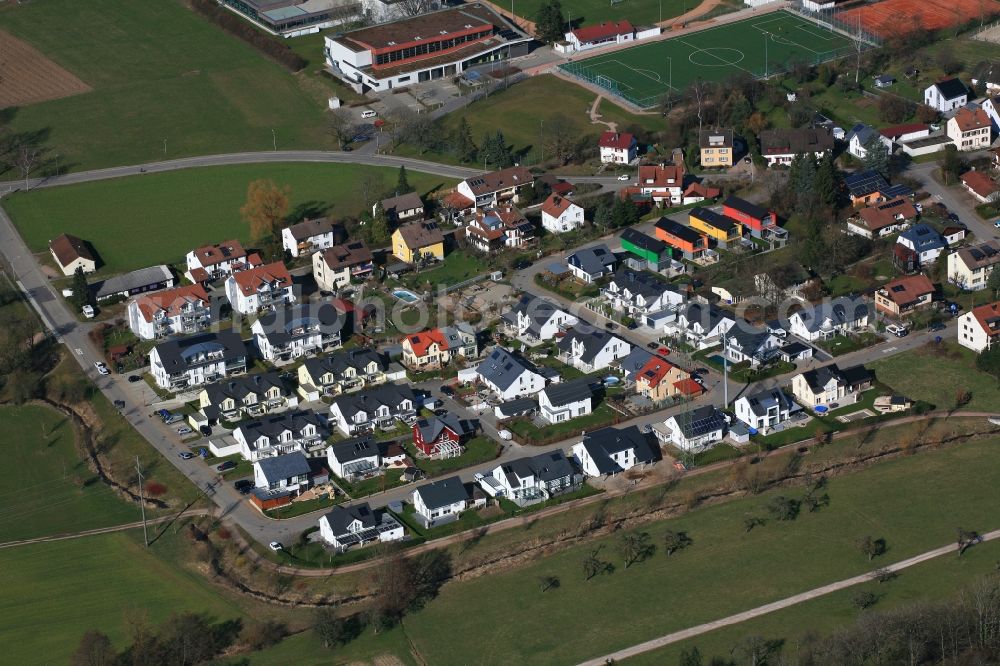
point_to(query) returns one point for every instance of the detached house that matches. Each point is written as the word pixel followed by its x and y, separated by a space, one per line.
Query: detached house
pixel 639 294
pixel 532 479
pixel 903 295
pixel 264 287
pixel 355 458
pixel 335 267
pixel 286 473
pixel 440 502
pixel 756 219
pixel 716 148
pixel 981 186
pixel 560 215
pixel 310 236
pixel 685 241
pixel 496 187
pixel 612 450
pixel 200 359
pixel 346 371
pixel 700 325
pixel 181 311
pixel 442 436
pixel 753 345
pixel 414 240
pixel 285 335
pixel 565 401
pixel 659 379
pixel 246 396
pixel 534 320
pixel 723 230
pixel 279 434
pixel 882 219
pixel 924 242
pixel 377 407
pixel 780 146
pixel 617 147
pixel 859 138
pixel 825 386
pixel 214 261
pixel 865 187
pixel 826 320
pixel 694 430
pixel 979 328
pixel 509 376
pixel 71 253
pixel 969 129
pixel 662 185
pixel 592 351
pixel 358 525
pixel 430 350
pixel 765 410
pixel 402 208
pixel 946 95
pixel 495 229
pixel 592 263
pixel 970 267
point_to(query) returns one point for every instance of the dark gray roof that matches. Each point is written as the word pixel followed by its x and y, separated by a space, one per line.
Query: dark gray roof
pixel 546 467
pixel 634 362
pixel 275 424
pixel 593 342
pixel 951 89
pixel 641 283
pixel 923 237
pixel 794 348
pixel 744 206
pixel 593 259
pixel 182 354
pixel 643 241
pixel 747 339
pixel 538 310
pixel 430 428
pixel 135 281
pixel 409 201
pixel 762 400
pixel 790 141
pixel 354 449
pixel 700 421
pixel 390 395
pixel 840 312
pixel 282 326
pixel 501 368
pixel 342 516
pixel 283 467
pixel 338 362
pixel 600 444
pixel 709 316
pixel 820 377
pixel 443 493
pixel 241 386
pixel 517 407
pixel 865 133
pixel 308 228
pixel 565 393
pixel 863 183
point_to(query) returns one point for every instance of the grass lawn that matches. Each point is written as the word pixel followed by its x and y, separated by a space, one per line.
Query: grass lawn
pixel 600 417
pixel 56 492
pixel 845 284
pixel 456 267
pixel 304 506
pixel 376 484
pixel 567 372
pixel 306 649
pixel 181 210
pixel 914 503
pixel 934 373
pixel 159 72
pixel 935 580
pixel 845 344
pixel 478 450
pixel 53 592
pixel 592 12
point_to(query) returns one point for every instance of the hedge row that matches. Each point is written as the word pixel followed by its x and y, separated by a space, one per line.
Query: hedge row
pixel 239 27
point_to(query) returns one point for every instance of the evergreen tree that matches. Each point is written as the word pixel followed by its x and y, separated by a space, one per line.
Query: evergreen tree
pixel 403 185
pixel 465 147
pixel 549 22
pixel 876 155
pixel 378 230
pixel 826 182
pixel 504 156
pixel 81 290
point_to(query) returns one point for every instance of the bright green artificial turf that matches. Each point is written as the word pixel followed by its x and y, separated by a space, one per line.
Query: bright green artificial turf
pixel 53 592
pixel 55 492
pixel 915 503
pixel 158 71
pixel 158 218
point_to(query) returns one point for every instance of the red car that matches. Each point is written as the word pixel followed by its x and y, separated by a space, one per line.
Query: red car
pixel 663 350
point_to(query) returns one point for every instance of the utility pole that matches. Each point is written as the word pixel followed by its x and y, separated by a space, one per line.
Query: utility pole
pixel 274 139
pixel 142 503
pixel 765 55
pixel 164 146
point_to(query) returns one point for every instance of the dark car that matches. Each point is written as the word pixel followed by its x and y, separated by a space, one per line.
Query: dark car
pixel 205 430
pixel 134 378
pixel 652 345
pixel 632 326
pixel 447 390
pixel 521 264
pixel 611 325
pixel 936 326
pixel 120 404
pixel 440 412
pixel 225 467
pixel 243 486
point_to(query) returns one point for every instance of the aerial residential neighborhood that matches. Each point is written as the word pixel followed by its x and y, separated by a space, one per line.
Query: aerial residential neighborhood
pixel 399 332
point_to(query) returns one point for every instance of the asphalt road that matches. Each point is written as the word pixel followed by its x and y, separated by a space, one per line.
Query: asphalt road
pixel 956 199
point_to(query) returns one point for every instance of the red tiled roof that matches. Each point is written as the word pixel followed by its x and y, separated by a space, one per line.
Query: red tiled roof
pixel 988 317
pixel 170 301
pixel 602 30
pixel 421 342
pixel 250 279
pixel 457 201
pixel 660 176
pixel 900 130
pixel 689 386
pixel 703 191
pixel 654 371
pixel 68 249
pixel 980 183
pixel 209 255
pixel 563 188
pixel 907 289
pixel 556 205
pixel 969 120
pixel 616 140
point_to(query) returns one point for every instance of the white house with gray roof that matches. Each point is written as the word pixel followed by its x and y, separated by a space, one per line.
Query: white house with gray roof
pixel 639 294
pixel 756 345
pixel 765 409
pixel 357 525
pixel 592 263
pixel 354 458
pixel 200 359
pixel 531 479
pixel 290 333
pixel 285 473
pixel 694 430
pixel 565 400
pixel 509 376
pixel 593 350
pixel 613 450
pixel 861 136
pixel 246 396
pixel 310 236
pixel 279 434
pixel 347 371
pixel 829 319
pixel 700 324
pixel 534 320
pixel 440 502
pixel 378 407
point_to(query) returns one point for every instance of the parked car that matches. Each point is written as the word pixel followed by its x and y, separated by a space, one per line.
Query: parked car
pixel 611 325
pixel 652 345
pixel 447 390
pixel 440 412
pixel 88 311
pixel 205 430
pixel 632 326
pixel 506 435
pixel 275 546
pixel 664 351
pixel 120 404
pixel 521 264
pixel 896 329
pixel 225 467
pixel 163 414
pixel 624 177
pixel 102 368
pixel 243 486
pixel 997 224
pixel 184 430
pixel 132 379
pixel 186 455
pixel 937 326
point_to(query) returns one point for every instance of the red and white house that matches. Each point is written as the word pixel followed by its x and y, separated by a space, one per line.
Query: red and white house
pixel 980 186
pixel 663 184
pixel 618 147
pixel 560 215
pixel 602 34
pixel 442 436
pixel 908 132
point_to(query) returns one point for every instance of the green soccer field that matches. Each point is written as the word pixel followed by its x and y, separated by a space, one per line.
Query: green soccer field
pixel 759 46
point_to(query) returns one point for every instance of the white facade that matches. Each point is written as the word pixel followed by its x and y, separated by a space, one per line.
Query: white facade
pixel 934 98
pixel 293 484
pixel 267 294
pixel 972 277
pixel 560 413
pixel 389 529
pixel 828 327
pixel 638 302
pixel 436 514
pixel 976 138
pixel 579 356
pixel 771 414
pixel 255 445
pixel 694 443
pixel 625 458
pixel 972 335
pixel 569 219
pixel 527 383
pixel 337 465
pixel 857 148
pixel 193 316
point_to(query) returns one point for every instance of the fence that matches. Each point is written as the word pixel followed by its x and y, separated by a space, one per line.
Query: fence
pixel 830 21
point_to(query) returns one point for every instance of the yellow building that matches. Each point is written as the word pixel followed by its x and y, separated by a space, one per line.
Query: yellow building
pixel 411 240
pixel 718 227
pixel 716 148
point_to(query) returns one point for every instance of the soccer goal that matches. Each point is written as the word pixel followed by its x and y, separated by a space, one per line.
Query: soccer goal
pixel 607 83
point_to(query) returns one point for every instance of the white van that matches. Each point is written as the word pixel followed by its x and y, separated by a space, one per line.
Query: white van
pixel 368 113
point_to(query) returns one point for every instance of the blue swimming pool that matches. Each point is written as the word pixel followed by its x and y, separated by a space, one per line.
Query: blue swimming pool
pixel 405 295
pixel 718 359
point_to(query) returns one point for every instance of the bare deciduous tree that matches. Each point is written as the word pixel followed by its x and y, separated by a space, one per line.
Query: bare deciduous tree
pixel 341 124
pixel 26 157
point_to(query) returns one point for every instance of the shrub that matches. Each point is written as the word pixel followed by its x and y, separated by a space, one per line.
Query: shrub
pixel 155 489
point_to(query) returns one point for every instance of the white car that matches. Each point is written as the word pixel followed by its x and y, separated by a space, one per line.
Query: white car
pixel 506 435
pixel 897 330
pixel 997 224
pixel 101 368
pixel 88 311
pixel 184 430
pixel 624 177
pixel 275 546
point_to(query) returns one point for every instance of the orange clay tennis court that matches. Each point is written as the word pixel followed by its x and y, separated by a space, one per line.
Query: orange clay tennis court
pixel 894 17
